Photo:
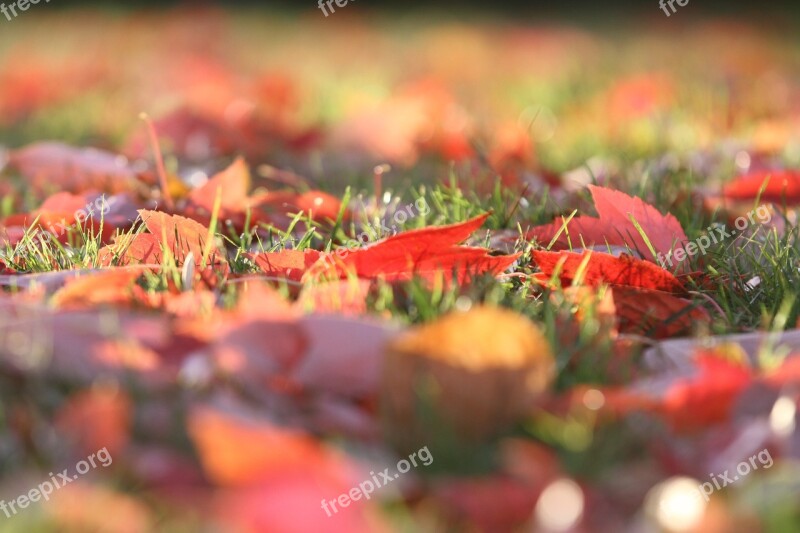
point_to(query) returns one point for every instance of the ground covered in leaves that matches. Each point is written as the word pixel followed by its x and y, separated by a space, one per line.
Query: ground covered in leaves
pixel 284 274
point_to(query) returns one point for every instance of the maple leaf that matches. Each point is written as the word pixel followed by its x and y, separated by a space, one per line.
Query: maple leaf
pixel 614 226
pixel 643 294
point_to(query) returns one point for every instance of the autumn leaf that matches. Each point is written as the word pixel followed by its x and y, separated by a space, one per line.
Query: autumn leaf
pixel 112 286
pixel 427 252
pixel 615 226
pixel 236 451
pixel 597 268
pixel 232 185
pixel 656 314
pixel 286 264
pixel 64 213
pixel 778 185
pixel 706 398
pixel 180 236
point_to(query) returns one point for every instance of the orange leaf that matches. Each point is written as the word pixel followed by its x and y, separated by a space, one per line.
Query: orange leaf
pixel 108 287
pixel 232 184
pixel 239 452
pixel 179 235
pixel 289 264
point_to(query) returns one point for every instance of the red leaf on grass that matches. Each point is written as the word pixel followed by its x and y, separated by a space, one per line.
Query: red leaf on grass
pixel 780 185
pixel 425 252
pixel 66 215
pixel 601 268
pixel 614 226
pixel 180 235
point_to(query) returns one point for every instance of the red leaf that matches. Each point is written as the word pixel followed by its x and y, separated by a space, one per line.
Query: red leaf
pixel 424 252
pixel 614 226
pixel 654 313
pixel 707 397
pixel 780 184
pixel 601 268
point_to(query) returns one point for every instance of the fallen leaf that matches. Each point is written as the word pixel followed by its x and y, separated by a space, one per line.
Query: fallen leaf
pixel 779 185
pixel 614 226
pixel 597 268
